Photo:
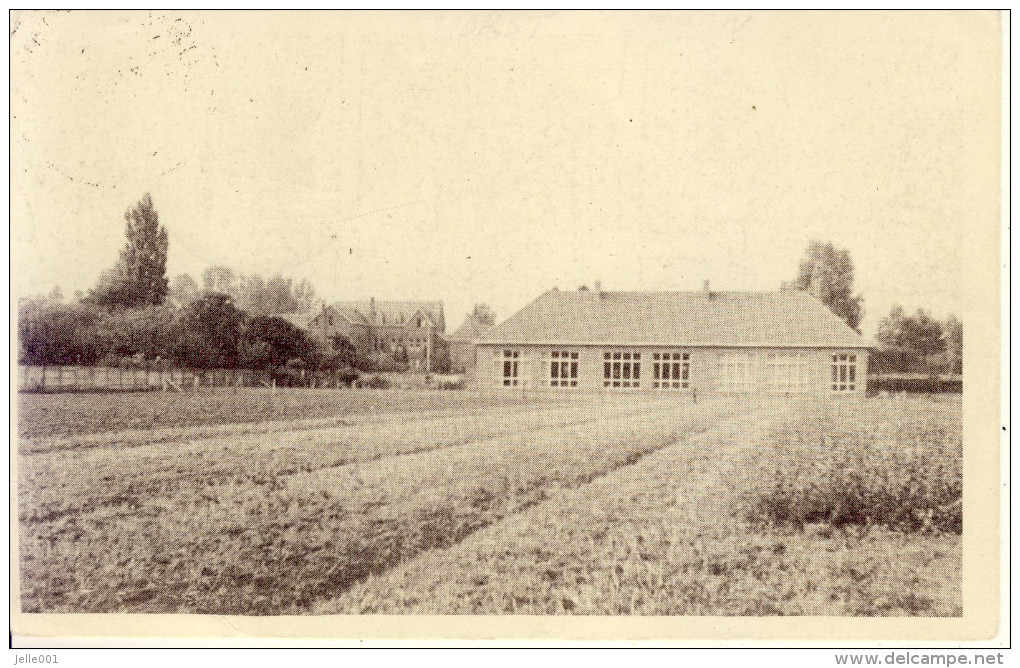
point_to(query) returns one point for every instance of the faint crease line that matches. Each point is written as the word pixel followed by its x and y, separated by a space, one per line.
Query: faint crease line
pixel 389 208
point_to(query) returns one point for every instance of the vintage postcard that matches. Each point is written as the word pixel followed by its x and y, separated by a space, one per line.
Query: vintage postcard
pixel 460 326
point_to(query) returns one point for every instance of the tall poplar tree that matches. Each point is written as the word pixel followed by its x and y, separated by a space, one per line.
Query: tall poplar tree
pixel 139 277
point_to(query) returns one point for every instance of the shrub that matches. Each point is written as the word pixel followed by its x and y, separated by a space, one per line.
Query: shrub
pixel 381 363
pixel 269 342
pixel 906 477
pixel 58 333
pixel 346 377
pixel 374 383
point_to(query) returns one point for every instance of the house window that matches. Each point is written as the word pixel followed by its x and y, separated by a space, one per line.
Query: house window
pixel 671 370
pixel 508 367
pixel 563 368
pixel 736 372
pixel 844 372
pixel 787 372
pixel 621 368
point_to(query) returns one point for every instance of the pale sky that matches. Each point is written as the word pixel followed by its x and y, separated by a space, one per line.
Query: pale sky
pixel 490 156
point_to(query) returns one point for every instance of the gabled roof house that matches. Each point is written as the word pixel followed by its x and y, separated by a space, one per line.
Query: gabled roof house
pixel 783 342
pixel 380 327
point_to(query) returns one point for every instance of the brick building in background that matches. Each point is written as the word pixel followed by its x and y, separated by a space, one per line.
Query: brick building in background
pixel 381 327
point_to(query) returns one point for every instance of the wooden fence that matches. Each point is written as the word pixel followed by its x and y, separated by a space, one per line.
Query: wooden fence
pixel 114 379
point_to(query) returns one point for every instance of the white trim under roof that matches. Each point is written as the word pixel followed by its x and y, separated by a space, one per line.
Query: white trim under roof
pixel 673 344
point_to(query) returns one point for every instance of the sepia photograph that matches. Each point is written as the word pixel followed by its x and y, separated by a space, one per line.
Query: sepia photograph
pixel 482 317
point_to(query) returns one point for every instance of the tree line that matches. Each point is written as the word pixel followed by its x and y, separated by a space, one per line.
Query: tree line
pixel 135 315
pixel 917 343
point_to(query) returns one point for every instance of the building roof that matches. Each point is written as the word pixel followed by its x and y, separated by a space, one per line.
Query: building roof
pixel 787 318
pixel 378 312
pixel 469 330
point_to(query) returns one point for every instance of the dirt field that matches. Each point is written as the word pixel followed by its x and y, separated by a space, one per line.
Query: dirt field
pixel 444 502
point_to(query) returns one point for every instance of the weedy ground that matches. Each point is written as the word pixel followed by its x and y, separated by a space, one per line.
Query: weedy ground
pixel 449 503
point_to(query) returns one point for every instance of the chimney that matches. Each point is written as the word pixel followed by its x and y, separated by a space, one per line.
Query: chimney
pixel 371 309
pixel 597 289
pixel 706 288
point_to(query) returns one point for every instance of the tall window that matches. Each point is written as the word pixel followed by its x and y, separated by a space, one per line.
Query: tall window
pixel 563 368
pixel 736 372
pixel 621 369
pixel 508 367
pixel 671 370
pixel 844 372
pixel 787 372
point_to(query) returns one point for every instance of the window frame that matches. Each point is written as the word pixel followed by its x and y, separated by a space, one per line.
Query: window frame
pixel 736 371
pixel 787 372
pixel 671 369
pixel 506 363
pixel 843 374
pixel 558 362
pixel 621 368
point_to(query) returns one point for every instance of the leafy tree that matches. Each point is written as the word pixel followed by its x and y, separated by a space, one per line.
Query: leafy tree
pixel 220 279
pixel 343 355
pixel 918 343
pixel 304 297
pixel 827 272
pixel 271 342
pixel 278 295
pixel 952 330
pixel 260 296
pixel 139 277
pixel 183 289
pixel 113 289
pixel 484 314
pixel 56 294
pixel 152 332
pixel 51 333
pixel 211 332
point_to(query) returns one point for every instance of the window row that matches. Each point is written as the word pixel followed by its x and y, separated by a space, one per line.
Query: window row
pixel 394 343
pixel 620 368
pixel 737 371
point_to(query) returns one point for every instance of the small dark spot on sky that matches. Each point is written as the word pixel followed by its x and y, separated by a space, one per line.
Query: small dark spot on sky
pixel 754 108
pixel 632 120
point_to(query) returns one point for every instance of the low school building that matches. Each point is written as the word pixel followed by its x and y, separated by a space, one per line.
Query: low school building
pixel 781 342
